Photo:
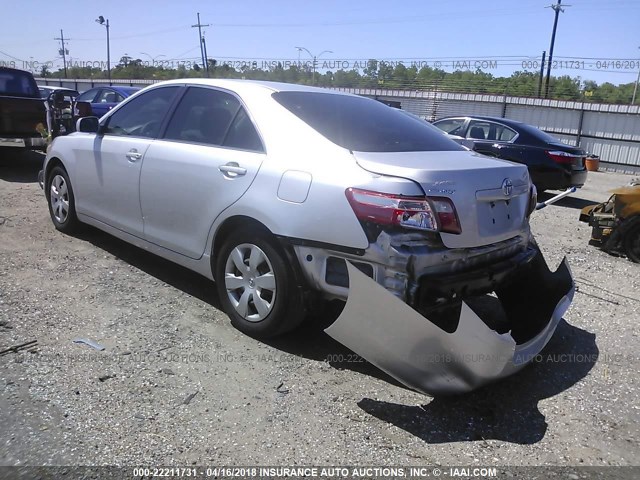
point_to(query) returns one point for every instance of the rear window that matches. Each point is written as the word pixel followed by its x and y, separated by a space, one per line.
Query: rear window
pixel 18 83
pixel 363 125
pixel 538 134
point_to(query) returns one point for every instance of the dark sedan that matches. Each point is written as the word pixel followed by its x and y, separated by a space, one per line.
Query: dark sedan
pixel 103 99
pixel 553 165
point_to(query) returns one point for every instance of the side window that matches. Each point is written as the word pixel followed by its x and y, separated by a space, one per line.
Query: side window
pixel 452 126
pixel 503 134
pixel 143 115
pixel 478 130
pixel 204 115
pixel 242 134
pixel 87 96
pixel 109 96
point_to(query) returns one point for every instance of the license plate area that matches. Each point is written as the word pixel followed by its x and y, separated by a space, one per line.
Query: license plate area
pixel 497 216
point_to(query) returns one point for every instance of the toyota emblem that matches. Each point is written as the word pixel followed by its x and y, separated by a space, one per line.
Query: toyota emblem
pixel 507 187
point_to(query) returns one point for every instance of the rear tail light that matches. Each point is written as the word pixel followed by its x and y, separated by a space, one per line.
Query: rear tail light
pixel 417 213
pixel 562 157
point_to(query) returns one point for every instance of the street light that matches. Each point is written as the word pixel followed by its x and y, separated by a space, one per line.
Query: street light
pixel 315 60
pixel 153 59
pixel 101 20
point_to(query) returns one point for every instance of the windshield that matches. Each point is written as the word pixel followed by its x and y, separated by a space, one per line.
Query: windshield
pixel 363 125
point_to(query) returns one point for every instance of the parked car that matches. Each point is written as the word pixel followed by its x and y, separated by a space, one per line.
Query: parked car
pixel 287 195
pixel 103 99
pixel 553 165
pixel 21 110
pixel 46 90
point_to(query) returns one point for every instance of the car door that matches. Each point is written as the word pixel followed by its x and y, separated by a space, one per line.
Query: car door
pixel 108 168
pixel 208 157
pixel 489 138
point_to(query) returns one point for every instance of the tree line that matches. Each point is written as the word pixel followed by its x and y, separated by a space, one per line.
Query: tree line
pixel 376 74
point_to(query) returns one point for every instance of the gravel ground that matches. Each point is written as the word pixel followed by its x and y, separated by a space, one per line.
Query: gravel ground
pixel 177 385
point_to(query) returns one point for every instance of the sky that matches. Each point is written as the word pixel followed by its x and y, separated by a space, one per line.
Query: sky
pixel 596 39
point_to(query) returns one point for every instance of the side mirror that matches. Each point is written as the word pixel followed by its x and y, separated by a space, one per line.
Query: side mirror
pixel 88 125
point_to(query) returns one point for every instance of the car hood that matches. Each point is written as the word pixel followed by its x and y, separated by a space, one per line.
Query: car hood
pixel 488 212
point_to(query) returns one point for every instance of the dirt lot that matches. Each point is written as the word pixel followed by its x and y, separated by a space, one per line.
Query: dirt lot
pixel 177 385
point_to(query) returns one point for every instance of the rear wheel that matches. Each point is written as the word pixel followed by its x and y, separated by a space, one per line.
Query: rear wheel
pixel 61 200
pixel 256 285
pixel 631 241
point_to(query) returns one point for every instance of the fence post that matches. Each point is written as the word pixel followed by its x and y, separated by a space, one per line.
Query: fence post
pixel 434 109
pixel 504 105
pixel 580 122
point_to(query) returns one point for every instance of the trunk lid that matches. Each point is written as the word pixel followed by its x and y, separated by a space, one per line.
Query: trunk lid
pixel 491 196
pixel 576 156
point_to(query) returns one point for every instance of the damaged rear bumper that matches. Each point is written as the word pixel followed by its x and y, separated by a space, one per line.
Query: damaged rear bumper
pixel 413 349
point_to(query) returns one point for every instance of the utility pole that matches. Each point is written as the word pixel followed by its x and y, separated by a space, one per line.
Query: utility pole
pixel 557 8
pixel 544 55
pixel 206 59
pixel 200 25
pixel 63 51
pixel 635 89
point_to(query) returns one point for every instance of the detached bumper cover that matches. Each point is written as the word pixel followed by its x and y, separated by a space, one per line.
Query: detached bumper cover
pixel 397 339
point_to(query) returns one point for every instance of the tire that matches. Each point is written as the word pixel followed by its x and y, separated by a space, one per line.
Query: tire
pixel 256 285
pixel 631 241
pixel 61 201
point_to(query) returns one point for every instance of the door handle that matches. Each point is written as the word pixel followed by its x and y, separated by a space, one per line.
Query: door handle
pixel 133 155
pixel 232 170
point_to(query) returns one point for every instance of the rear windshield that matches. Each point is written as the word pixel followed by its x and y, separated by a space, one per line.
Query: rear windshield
pixel 364 125
pixel 18 83
pixel 538 134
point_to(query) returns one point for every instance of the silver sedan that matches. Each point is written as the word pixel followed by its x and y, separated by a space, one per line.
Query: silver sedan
pixel 288 195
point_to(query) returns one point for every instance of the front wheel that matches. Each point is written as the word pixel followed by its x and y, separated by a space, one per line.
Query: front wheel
pixel 256 285
pixel 61 200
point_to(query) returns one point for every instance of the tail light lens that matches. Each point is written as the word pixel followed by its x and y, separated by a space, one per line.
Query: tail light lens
pixel 417 213
pixel 562 157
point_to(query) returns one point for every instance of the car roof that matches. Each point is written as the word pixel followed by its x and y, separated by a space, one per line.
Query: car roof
pixel 505 121
pixel 249 85
pixel 53 87
pixel 122 89
pixel 11 69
